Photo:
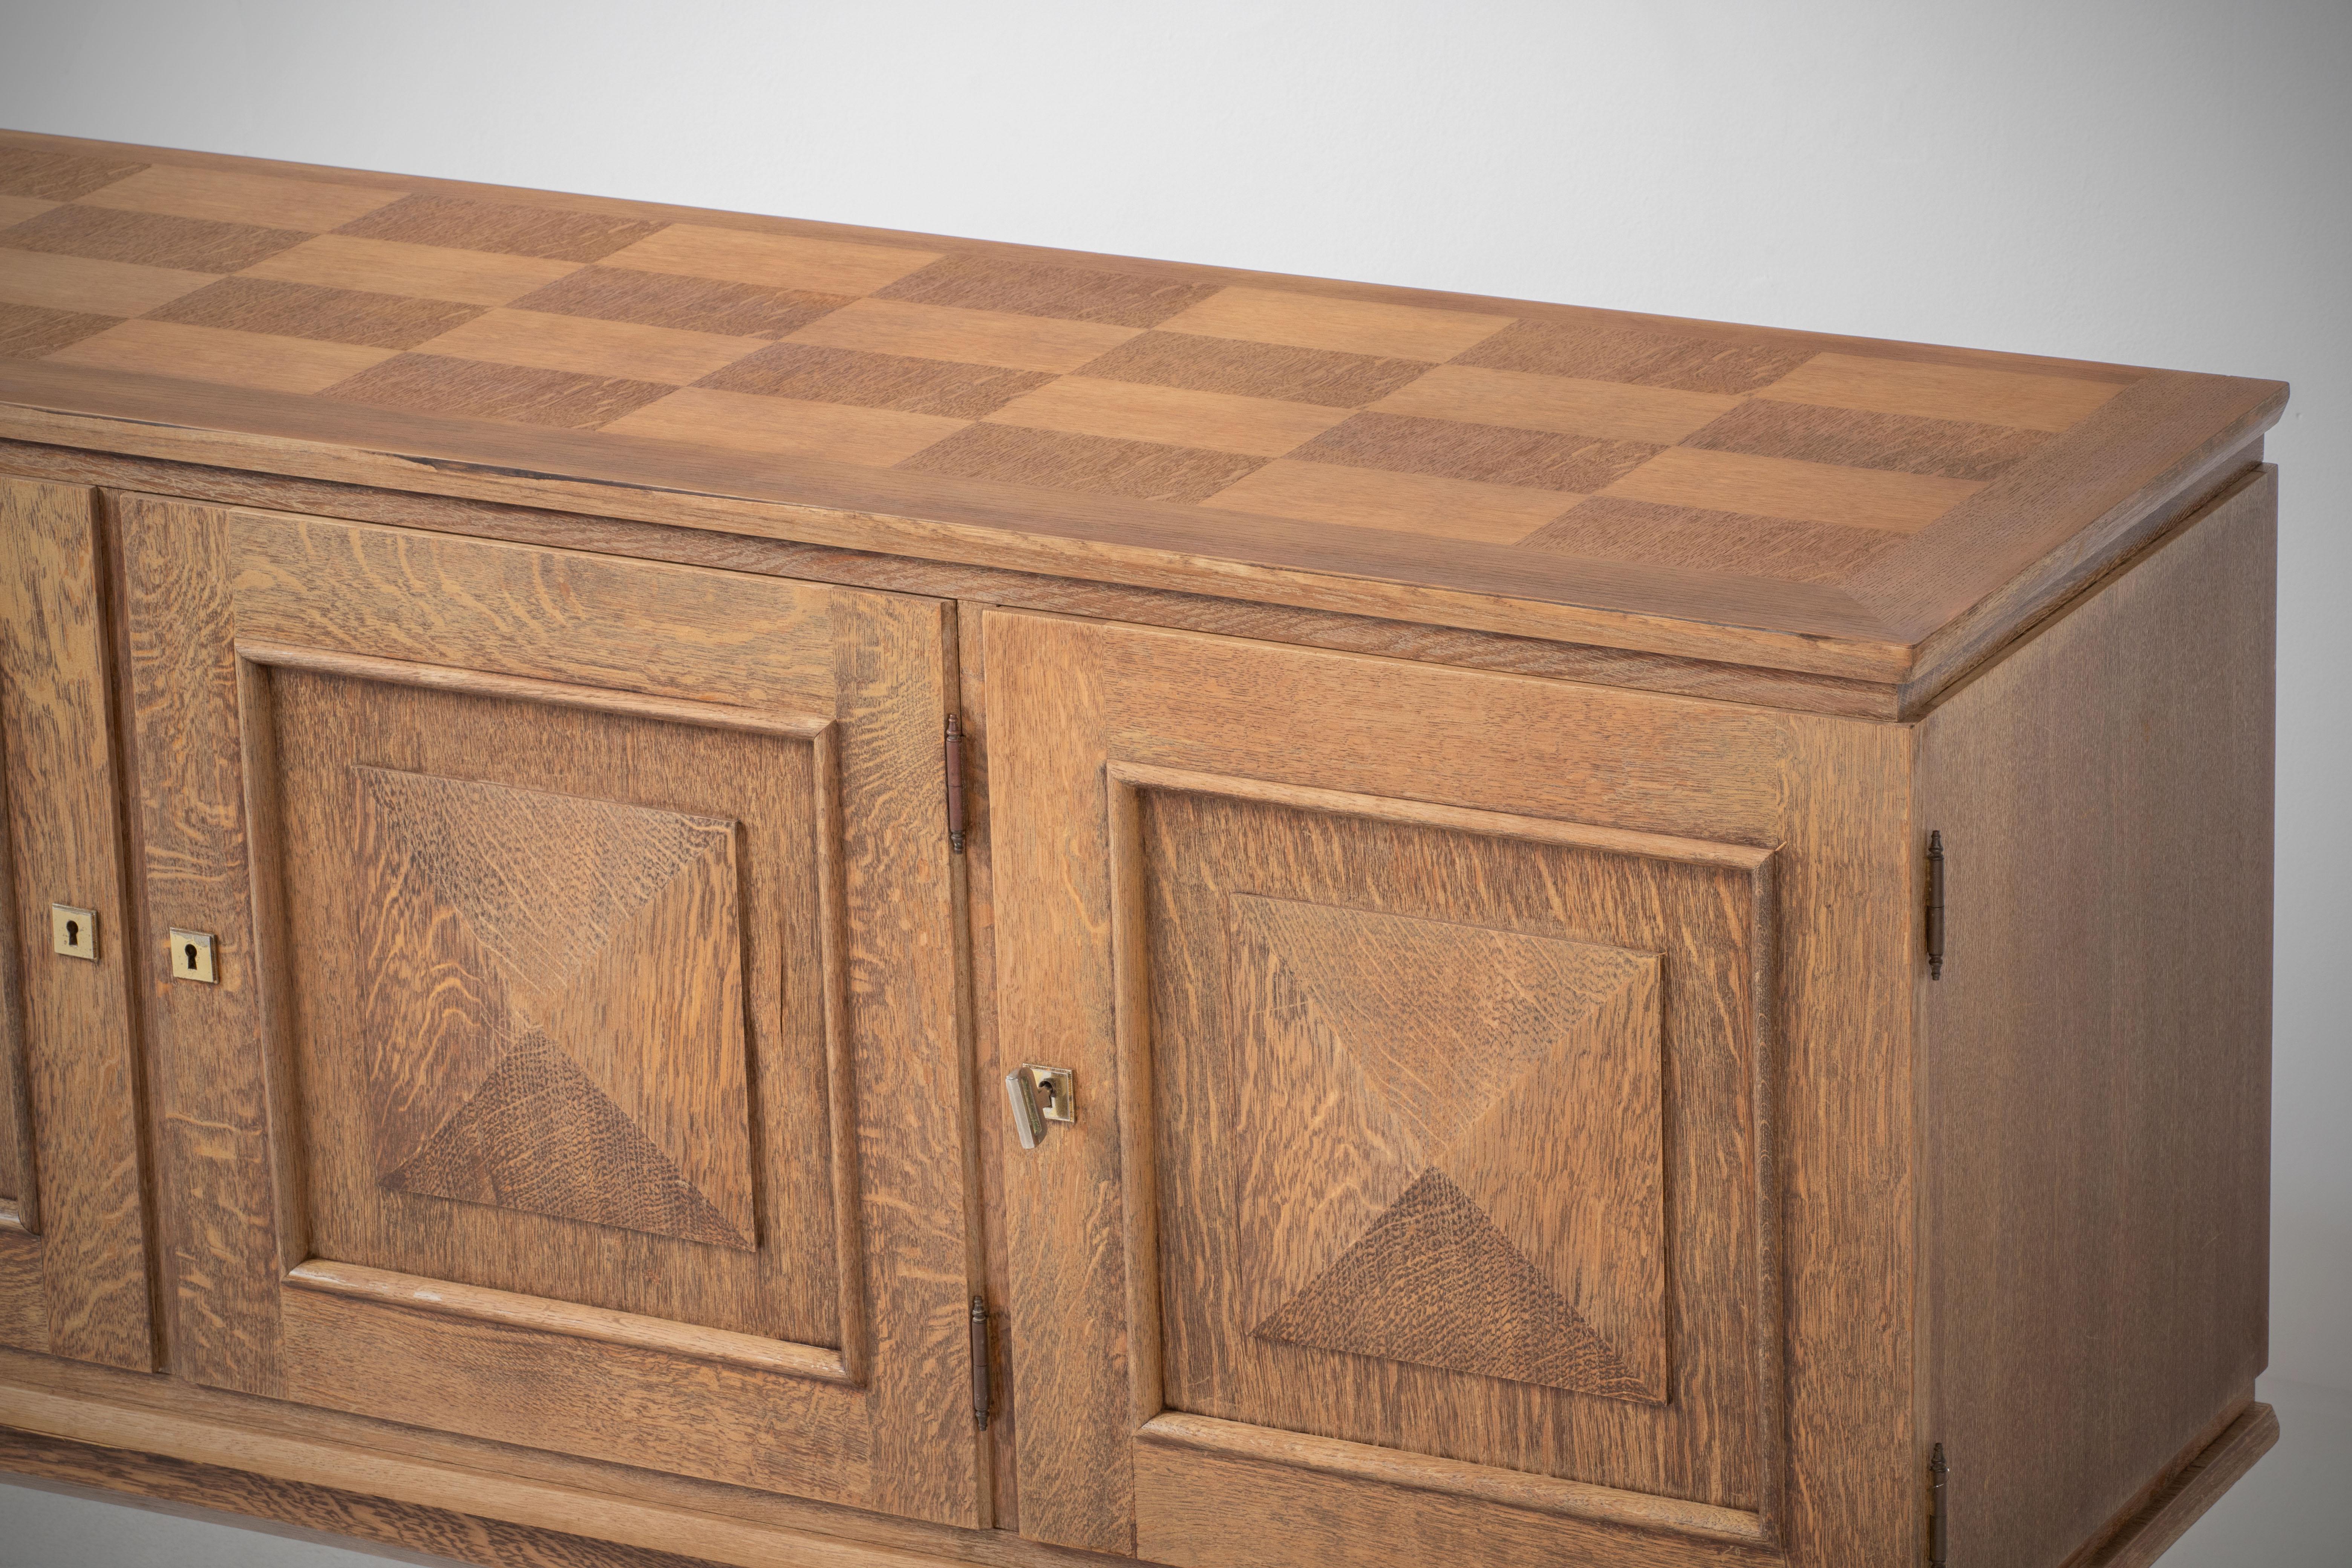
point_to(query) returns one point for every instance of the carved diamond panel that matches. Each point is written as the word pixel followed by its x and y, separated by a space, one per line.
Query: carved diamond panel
pixel 1450 1138
pixel 551 998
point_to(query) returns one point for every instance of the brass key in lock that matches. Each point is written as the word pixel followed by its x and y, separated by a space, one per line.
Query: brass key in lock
pixel 1040 1097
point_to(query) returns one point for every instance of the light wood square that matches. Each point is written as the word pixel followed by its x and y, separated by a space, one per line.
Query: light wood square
pixel 970 337
pixel 1783 486
pixel 870 437
pixel 1616 410
pixel 771 260
pixel 1407 504
pixel 232 359
pixel 421 271
pixel 592 347
pixel 1132 411
pixel 1942 391
pixel 99 288
pixel 226 195
pixel 1349 326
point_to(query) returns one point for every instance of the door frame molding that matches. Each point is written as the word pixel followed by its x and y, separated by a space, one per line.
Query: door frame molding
pixel 1177 1431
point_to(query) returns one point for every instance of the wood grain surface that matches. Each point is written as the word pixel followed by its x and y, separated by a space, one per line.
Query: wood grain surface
pixel 77 1253
pixel 1076 709
pixel 1468 460
pixel 1190 1504
pixel 1241 617
pixel 20 1176
pixel 1438 1137
pixel 2097 1051
pixel 525 994
pixel 209 1491
pixel 439 798
pixel 1514 1122
pixel 2189 1491
pixel 620 1504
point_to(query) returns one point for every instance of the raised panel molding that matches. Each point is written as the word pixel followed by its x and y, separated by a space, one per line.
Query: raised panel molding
pixel 1445 1133
pixel 553 1004
pixel 1410 1090
pixel 535 1077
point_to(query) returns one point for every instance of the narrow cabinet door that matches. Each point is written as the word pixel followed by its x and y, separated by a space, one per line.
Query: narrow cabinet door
pixel 73 1261
pixel 561 1040
pixel 1448 1052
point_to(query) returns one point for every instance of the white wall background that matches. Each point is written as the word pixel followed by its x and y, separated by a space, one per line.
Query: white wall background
pixel 2160 182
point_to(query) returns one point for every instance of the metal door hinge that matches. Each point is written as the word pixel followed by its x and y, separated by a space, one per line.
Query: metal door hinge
pixel 1938 1509
pixel 1935 906
pixel 955 782
pixel 980 1350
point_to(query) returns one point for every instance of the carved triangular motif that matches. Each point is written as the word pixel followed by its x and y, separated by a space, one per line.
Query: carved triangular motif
pixel 1443 1017
pixel 544 880
pixel 656 1024
pixel 1568 1163
pixel 539 1136
pixel 435 1016
pixel 1434 1283
pixel 1322 1155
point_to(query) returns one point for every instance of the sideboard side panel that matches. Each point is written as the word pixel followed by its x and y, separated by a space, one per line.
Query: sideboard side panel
pixel 2098 1045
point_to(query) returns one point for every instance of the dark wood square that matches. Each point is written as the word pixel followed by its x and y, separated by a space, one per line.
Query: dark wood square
pixel 307 311
pixel 1863 438
pixel 1492 453
pixel 1636 355
pixel 688 304
pixel 29 331
pixel 507 227
pixel 438 383
pixel 1057 460
pixel 1322 377
pixel 150 239
pixel 910 385
pixel 1041 289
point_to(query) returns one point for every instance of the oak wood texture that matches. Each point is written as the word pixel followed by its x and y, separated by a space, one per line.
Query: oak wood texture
pixel 90 1424
pixel 325 1513
pixel 577 1074
pixel 2096 1054
pixel 1306 1505
pixel 1379 786
pixel 1409 1138
pixel 586 1322
pixel 402 1466
pixel 1515 1124
pixel 2186 1495
pixel 73 1258
pixel 1526 656
pixel 1785 499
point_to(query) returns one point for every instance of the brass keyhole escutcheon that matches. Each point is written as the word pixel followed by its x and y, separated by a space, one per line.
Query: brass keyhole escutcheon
pixel 190 953
pixel 73 931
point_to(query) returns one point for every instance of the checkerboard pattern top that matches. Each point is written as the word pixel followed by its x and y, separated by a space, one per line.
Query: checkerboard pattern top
pixel 1578 434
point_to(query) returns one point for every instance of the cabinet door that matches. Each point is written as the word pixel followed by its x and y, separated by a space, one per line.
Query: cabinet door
pixel 1456 1111
pixel 578 1062
pixel 73 1260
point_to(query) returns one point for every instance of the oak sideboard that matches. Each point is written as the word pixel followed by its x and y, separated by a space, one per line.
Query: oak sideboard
pixel 687 888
